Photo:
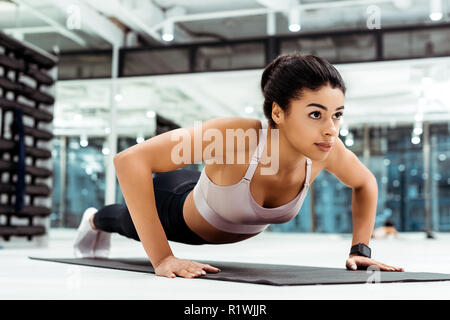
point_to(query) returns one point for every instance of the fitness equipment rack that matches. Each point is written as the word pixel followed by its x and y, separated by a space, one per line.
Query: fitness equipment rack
pixel 26 101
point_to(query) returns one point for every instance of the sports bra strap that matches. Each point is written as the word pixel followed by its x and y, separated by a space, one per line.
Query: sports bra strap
pixel 308 171
pixel 258 152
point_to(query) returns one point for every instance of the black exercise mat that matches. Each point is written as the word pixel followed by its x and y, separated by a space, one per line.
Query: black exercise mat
pixel 271 274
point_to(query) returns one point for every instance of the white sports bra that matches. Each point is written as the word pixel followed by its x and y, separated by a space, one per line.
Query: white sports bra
pixel 233 209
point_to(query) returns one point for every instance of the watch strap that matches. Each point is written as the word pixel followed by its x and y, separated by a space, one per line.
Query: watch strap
pixel 361 250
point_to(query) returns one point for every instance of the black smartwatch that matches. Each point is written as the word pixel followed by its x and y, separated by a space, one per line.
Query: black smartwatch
pixel 361 249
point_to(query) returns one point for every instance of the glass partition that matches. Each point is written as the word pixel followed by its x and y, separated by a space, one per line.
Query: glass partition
pixel 440 176
pixel 84 178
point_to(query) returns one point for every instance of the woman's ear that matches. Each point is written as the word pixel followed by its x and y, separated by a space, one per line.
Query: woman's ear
pixel 277 113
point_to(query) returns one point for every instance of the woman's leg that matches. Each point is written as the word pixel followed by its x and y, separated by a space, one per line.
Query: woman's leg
pixel 115 218
pixel 171 189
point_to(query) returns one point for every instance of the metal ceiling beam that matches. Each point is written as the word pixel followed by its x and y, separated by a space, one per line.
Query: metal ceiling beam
pixel 97 24
pixel 276 5
pixel 265 10
pixel 58 27
pixel 31 30
pixel 128 16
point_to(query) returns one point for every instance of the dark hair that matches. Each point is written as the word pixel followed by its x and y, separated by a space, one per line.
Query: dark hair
pixel 285 78
pixel 388 223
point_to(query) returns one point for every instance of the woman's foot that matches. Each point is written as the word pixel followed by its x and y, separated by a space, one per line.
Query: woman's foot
pixel 91 242
pixel 86 237
pixel 102 244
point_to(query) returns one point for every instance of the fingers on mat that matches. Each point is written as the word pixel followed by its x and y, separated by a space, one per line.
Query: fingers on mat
pixel 186 274
pixel 210 268
pixel 196 270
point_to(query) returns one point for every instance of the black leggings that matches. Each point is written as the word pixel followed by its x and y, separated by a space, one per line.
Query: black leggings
pixel 171 189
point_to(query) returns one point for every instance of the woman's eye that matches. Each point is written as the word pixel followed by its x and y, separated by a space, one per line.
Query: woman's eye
pixel 339 114
pixel 317 112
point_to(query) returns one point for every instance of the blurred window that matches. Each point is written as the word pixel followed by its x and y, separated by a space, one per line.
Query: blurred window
pixel 336 49
pixel 417 43
pixel 230 57
pixel 155 61
pixel 84 66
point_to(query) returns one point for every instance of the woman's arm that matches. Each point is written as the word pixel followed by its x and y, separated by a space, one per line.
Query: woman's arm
pixel 364 208
pixel 134 168
pixel 346 166
pixel 136 182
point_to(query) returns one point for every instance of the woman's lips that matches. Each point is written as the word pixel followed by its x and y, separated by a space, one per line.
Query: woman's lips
pixel 324 147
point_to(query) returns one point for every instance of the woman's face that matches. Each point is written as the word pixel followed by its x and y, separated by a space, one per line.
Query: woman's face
pixel 308 123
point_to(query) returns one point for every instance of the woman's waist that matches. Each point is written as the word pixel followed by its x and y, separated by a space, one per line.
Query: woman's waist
pixel 198 224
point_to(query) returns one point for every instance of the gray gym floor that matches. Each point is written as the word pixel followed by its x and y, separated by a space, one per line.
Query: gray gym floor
pixel 22 278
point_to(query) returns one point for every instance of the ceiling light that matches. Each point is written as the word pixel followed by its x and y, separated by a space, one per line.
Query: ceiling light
pixel 168 31
pixel 294 16
pixel 418 130
pixel 140 139
pixel 349 140
pixel 150 114
pixel 84 141
pixel 436 10
pixel 248 109
pixel 436 16
pixel 294 27
pixel 344 132
pixel 415 140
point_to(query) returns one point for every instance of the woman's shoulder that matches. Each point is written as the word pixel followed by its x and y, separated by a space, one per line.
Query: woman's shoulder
pixel 243 133
pixel 236 123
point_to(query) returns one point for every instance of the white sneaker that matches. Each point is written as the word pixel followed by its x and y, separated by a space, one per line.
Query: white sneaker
pixel 102 245
pixel 86 237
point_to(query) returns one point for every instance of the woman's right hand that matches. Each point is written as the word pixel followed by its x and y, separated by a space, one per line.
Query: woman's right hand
pixel 171 267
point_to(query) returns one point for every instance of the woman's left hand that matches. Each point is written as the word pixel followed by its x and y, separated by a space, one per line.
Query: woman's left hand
pixel 355 261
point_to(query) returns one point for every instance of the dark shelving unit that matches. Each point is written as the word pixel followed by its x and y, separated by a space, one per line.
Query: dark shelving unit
pixel 25 104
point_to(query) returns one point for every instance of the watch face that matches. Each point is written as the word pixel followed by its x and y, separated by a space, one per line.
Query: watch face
pixel 365 250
